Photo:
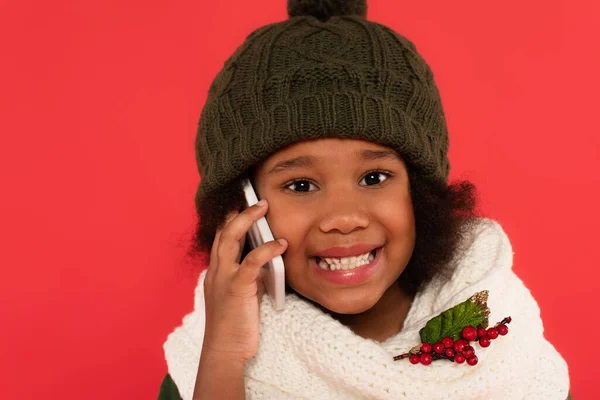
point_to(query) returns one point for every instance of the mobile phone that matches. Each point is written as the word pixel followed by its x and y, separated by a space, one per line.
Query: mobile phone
pixel 273 272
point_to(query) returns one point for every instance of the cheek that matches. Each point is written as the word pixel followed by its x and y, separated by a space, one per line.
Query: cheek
pixel 292 226
pixel 289 224
pixel 396 214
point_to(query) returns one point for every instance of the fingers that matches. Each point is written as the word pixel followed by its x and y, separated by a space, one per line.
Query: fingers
pixel 250 267
pixel 231 240
pixel 213 250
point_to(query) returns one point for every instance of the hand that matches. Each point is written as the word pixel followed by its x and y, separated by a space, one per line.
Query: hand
pixel 233 290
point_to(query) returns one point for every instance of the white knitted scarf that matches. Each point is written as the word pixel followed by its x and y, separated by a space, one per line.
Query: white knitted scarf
pixel 305 353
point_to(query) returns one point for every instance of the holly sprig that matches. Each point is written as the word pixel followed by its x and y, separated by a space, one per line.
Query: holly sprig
pixel 452 331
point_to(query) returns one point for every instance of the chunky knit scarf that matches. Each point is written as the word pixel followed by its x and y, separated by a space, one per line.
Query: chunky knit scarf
pixel 305 353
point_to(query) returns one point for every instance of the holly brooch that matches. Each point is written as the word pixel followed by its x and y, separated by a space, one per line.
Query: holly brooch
pixel 452 332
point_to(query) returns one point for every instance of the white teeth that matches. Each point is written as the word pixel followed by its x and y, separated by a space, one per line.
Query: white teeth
pixel 332 264
pixel 347 260
pixel 345 263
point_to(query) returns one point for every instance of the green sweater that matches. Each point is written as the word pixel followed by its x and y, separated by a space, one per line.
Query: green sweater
pixel 168 390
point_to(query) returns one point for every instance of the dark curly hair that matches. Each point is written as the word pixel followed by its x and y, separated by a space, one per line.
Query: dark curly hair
pixel 444 215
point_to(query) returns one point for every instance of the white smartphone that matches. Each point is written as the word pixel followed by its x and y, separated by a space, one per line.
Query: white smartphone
pixel 273 272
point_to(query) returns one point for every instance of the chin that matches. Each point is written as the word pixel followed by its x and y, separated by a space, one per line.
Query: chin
pixel 355 305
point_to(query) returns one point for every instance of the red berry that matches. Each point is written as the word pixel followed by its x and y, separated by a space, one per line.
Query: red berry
pixel 502 329
pixel 484 342
pixel 459 345
pixel 449 352
pixel 414 358
pixel 468 352
pixel 438 347
pixel 492 333
pixel 426 359
pixel 481 332
pixel 459 359
pixel 426 347
pixel 448 342
pixel 469 333
pixel 472 360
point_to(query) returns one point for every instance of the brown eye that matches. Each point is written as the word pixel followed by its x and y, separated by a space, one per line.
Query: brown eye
pixel 374 178
pixel 300 185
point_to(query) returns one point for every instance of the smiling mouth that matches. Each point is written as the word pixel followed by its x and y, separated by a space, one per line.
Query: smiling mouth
pixel 346 263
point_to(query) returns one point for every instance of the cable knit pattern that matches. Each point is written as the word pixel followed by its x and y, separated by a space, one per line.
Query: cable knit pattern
pixel 303 79
pixel 305 353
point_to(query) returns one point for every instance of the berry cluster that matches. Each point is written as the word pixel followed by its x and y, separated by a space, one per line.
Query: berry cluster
pixel 460 350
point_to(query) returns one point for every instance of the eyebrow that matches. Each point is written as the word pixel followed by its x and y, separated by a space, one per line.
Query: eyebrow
pixel 296 162
pixel 371 155
pixel 307 161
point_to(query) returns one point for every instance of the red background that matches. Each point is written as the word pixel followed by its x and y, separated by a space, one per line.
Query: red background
pixel 99 102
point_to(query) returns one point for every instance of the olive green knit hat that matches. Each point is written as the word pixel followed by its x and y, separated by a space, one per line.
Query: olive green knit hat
pixel 324 72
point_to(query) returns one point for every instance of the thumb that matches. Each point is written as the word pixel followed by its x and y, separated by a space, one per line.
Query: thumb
pixel 249 269
pixel 260 284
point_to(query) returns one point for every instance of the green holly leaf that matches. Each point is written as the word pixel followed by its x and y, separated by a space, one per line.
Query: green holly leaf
pixel 473 311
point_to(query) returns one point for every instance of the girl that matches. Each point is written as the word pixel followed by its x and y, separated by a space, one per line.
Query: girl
pixel 339 125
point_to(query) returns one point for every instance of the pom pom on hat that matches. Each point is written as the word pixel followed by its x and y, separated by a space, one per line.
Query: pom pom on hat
pixel 325 9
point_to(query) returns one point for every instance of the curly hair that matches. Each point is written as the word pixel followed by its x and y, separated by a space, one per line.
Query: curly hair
pixel 444 215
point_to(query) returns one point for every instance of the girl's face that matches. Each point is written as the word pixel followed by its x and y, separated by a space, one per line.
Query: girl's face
pixel 333 199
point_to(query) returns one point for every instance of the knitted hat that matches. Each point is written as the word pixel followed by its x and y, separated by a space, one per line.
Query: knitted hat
pixel 324 72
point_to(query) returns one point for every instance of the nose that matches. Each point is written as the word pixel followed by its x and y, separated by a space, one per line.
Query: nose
pixel 343 214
